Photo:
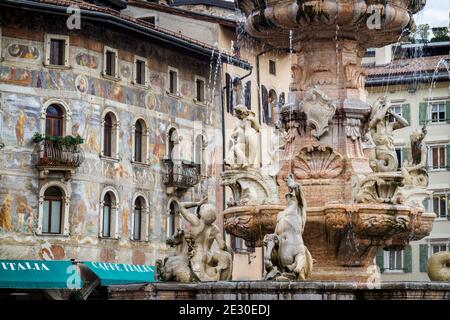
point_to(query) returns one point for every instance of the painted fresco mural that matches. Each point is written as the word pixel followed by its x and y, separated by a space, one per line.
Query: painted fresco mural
pixel 23 92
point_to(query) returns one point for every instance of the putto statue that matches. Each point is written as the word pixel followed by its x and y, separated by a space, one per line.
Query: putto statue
pixel 286 256
pixel 414 171
pixel 201 253
pixel 381 126
pixel 244 143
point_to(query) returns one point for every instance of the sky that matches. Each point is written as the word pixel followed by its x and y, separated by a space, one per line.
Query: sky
pixel 435 13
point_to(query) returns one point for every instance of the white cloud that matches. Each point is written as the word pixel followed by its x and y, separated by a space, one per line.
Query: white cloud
pixel 435 13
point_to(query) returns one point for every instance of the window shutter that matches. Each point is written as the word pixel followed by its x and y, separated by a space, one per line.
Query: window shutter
pixel 447 111
pixel 406 112
pixel 423 113
pixel 380 260
pixel 448 211
pixel 447 149
pixel 423 253
pixel 407 259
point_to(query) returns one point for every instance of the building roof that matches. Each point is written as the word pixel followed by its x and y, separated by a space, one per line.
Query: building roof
pixel 421 69
pixel 183 12
pixel 214 3
pixel 114 18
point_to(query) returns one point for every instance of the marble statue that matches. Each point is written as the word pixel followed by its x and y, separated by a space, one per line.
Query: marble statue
pixel 439 267
pixel 176 267
pixel 381 126
pixel 244 143
pixel 414 171
pixel 197 253
pixel 286 256
pixel 277 144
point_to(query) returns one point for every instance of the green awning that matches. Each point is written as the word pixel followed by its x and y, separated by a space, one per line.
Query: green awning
pixel 118 273
pixel 39 274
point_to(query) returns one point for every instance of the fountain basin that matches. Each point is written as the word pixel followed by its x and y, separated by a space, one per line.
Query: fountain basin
pixel 343 238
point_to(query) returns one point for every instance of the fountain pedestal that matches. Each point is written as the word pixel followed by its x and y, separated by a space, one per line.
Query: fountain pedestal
pixel 351 211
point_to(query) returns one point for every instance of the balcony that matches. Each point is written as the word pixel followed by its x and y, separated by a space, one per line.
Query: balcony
pixel 58 154
pixel 181 174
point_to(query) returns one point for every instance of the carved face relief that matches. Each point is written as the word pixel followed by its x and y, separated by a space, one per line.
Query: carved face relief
pixel 319 110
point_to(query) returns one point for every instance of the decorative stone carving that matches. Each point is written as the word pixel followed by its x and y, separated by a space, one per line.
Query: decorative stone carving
pixel 205 261
pixel 250 187
pixel 318 162
pixel 414 170
pixel 439 267
pixel 319 110
pixel 244 144
pixel 381 126
pixel 286 256
pixel 353 128
pixel 378 188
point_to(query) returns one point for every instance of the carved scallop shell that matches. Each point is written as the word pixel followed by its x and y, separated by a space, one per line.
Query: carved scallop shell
pixel 318 162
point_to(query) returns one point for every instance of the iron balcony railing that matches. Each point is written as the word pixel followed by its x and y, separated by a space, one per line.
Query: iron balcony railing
pixel 52 154
pixel 181 174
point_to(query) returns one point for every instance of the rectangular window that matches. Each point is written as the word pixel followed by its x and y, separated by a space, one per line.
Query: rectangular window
pixel 437 157
pixel 173 82
pixel 395 260
pixel 140 72
pixel 110 67
pixel 272 67
pixel 200 90
pixel 137 224
pixel 57 48
pixel 437 112
pixel 51 219
pixel 439 204
pixel 438 247
pixel 397 109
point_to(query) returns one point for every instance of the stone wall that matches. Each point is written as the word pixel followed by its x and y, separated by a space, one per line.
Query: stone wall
pixel 26 85
pixel 267 290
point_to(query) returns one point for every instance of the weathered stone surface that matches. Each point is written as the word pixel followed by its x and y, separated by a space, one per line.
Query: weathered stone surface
pixel 267 290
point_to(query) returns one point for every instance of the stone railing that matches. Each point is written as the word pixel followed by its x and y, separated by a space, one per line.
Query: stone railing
pixel 181 174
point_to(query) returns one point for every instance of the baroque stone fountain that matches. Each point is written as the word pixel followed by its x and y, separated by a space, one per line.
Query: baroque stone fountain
pixel 339 148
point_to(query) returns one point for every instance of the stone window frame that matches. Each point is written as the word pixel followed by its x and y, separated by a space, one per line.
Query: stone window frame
pixel 67 117
pixel 204 101
pixel 47 43
pixel 177 93
pixel 146 72
pixel 430 147
pixel 145 235
pixel 114 136
pixel 67 192
pixel 145 138
pixel 437 242
pixel 115 213
pixel 430 112
pixel 439 193
pixel 386 257
pixel 116 76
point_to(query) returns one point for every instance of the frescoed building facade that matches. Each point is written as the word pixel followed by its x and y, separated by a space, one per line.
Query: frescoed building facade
pixel 100 128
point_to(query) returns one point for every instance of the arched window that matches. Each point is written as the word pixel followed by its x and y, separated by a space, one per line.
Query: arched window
pixel 110 135
pixel 107 135
pixel 54 121
pixel 138 141
pixel 109 225
pixel 52 217
pixel 248 94
pixel 107 215
pixel 273 102
pixel 174 148
pixel 265 104
pixel 138 214
pixel 229 92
